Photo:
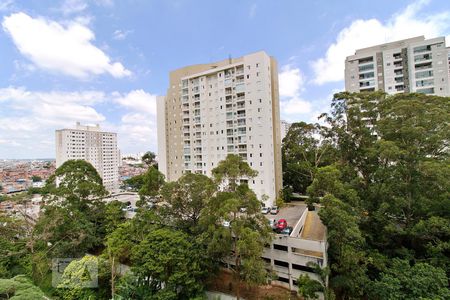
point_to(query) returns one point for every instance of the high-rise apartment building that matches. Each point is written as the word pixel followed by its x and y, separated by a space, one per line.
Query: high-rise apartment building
pixel 284 127
pixel 94 146
pixel 411 65
pixel 228 107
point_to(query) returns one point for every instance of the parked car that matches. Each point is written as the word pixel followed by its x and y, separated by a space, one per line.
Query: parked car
pixel 287 230
pixel 226 223
pixel 274 210
pixel 281 224
pixel 243 209
pixel 265 210
pixel 128 208
pixel 273 223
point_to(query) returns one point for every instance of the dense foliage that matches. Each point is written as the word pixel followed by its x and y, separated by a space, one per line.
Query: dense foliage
pixel 384 191
pixel 170 246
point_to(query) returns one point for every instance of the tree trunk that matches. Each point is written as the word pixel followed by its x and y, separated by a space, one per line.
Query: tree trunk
pixel 113 278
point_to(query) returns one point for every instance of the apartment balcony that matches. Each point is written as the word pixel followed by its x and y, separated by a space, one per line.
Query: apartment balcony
pixel 240 96
pixel 397 56
pixel 422 49
pixel 228 91
pixel 398 64
pixel 423 66
pixel 399 79
pixel 241 105
pixel 241 115
pixel 423 57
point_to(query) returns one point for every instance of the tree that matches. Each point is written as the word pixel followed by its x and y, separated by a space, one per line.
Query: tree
pixel 167 265
pixel 308 288
pixel 149 158
pixel 14 236
pixel 403 281
pixel 76 181
pixel 114 215
pixel 72 222
pixel 237 236
pixel 135 182
pixel 20 288
pixel 391 187
pixel 306 147
pixel 185 199
pixel 152 182
pixel 118 246
pixel 230 170
pixel 79 278
pixel 36 178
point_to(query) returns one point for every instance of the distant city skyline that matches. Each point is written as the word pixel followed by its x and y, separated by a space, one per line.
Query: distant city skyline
pixel 106 61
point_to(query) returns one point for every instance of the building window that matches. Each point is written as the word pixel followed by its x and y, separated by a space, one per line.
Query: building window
pixel 280 247
pixel 281 263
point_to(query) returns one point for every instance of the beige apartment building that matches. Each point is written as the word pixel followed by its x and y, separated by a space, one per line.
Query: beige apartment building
pixel 91 144
pixel 416 65
pixel 212 110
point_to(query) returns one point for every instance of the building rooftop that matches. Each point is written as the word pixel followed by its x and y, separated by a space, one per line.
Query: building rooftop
pixel 313 229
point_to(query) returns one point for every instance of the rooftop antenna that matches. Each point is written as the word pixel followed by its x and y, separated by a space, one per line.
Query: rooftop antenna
pixel 230 60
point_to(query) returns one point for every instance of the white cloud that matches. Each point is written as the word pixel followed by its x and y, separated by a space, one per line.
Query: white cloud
pixel 49 108
pixel 366 33
pixel 137 100
pixel 6 5
pixel 73 6
pixel 291 82
pixel 62 49
pixel 121 34
pixel 295 106
pixel 137 129
pixel 29 118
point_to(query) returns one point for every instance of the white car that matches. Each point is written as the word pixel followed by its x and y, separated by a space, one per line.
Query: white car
pixel 265 210
pixel 274 210
pixel 226 223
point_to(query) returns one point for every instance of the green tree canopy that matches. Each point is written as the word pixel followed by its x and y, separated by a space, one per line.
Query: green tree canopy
pixel 306 147
pixel 153 180
pixel 167 264
pixel 149 158
pixel 230 170
pixel 20 288
pixel 185 199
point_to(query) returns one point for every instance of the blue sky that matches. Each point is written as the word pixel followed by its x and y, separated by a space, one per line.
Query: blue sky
pixel 105 61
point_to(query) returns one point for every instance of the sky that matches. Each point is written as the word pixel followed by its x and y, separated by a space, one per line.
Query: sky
pixel 105 61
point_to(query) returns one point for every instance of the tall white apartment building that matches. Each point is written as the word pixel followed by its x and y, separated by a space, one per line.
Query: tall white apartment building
pixel 414 65
pixel 212 110
pixel 284 127
pixel 94 146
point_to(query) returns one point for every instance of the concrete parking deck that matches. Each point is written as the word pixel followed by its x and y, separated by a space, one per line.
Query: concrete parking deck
pixel 291 213
pixel 313 228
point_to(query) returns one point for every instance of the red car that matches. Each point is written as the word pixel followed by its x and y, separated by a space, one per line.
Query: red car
pixel 282 224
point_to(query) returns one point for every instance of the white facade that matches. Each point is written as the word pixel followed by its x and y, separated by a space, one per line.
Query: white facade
pixel 217 109
pixel 284 128
pixel 413 65
pixel 94 146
